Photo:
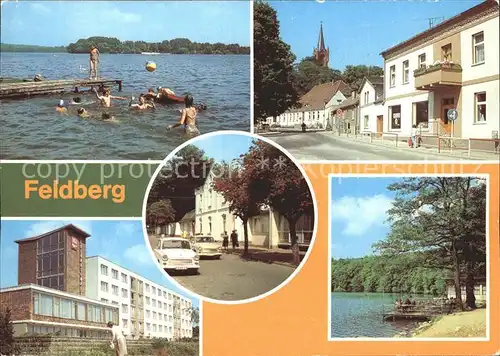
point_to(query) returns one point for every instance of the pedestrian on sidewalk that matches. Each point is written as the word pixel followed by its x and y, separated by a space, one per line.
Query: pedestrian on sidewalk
pixel 234 239
pixel 225 240
pixel 118 342
pixel 414 133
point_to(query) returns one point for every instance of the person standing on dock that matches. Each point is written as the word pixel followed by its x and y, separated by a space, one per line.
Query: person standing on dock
pixel 106 97
pixel 94 61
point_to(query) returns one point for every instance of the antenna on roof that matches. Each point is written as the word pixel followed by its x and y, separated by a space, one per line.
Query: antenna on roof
pixel 434 20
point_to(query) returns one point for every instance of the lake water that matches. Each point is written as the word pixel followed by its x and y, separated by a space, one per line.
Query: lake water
pixel 360 315
pixel 31 129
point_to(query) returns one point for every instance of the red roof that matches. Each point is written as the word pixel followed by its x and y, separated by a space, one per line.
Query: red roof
pixel 319 95
pixel 65 227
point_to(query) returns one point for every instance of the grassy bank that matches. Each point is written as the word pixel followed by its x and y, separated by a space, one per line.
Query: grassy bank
pixel 465 324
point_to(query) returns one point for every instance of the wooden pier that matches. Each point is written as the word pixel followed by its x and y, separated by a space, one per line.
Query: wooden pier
pixel 394 316
pixel 421 312
pixel 46 87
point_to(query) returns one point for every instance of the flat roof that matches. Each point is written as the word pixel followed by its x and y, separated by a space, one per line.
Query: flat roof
pixel 65 227
pixel 57 292
pixel 473 11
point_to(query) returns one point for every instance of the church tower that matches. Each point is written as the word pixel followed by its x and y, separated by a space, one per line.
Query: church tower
pixel 321 53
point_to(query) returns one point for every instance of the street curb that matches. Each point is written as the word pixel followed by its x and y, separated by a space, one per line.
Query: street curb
pixel 258 260
pixel 408 149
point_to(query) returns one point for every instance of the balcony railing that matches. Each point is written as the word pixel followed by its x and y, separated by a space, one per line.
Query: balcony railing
pixel 439 73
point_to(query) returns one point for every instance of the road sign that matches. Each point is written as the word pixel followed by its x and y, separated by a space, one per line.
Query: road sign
pixel 452 115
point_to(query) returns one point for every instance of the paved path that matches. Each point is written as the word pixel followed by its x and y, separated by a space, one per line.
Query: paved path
pixel 232 278
pixel 316 146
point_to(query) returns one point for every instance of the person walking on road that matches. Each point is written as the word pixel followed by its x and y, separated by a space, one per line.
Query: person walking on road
pixel 118 342
pixel 225 240
pixel 234 239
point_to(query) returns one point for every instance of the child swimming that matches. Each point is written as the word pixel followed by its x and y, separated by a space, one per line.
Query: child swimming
pixel 106 97
pixel 188 118
pixel 61 108
pixel 142 104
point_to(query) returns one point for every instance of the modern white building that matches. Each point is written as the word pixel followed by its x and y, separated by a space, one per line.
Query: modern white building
pixel 371 108
pixel 453 65
pixel 147 309
pixel 318 106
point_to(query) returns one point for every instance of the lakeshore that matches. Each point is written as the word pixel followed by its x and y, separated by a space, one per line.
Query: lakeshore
pixel 462 324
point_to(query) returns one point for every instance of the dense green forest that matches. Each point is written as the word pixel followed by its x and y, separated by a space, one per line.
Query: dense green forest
pixel 29 48
pixel 114 45
pixel 388 275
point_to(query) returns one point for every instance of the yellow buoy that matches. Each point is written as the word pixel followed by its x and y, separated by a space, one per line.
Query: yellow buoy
pixel 150 66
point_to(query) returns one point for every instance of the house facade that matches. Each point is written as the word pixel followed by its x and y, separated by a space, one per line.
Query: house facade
pixel 317 107
pixel 147 309
pixel 212 216
pixel 371 108
pixel 268 229
pixel 345 115
pixel 453 65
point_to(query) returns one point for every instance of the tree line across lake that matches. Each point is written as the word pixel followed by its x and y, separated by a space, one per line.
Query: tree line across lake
pixel 387 275
pixel 114 45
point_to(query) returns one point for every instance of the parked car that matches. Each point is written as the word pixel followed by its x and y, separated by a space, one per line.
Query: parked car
pixel 177 254
pixel 206 246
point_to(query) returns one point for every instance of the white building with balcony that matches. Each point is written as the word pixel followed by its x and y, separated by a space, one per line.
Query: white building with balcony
pixel 147 309
pixel 453 65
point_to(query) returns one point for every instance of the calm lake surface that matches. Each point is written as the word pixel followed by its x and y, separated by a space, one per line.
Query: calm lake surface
pixel 31 129
pixel 360 315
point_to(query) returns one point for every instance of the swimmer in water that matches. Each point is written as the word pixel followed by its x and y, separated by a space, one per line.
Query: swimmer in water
pixel 143 105
pixel 83 113
pixel 163 92
pixel 107 117
pixel 61 108
pixel 106 97
pixel 150 95
pixel 188 118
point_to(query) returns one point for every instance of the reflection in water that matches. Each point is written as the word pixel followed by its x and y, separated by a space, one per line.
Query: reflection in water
pixel 360 315
pixel 31 128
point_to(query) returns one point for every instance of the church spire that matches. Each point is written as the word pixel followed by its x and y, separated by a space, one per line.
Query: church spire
pixel 321 39
pixel 321 52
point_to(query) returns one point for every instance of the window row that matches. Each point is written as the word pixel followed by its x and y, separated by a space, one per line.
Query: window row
pixel 52 306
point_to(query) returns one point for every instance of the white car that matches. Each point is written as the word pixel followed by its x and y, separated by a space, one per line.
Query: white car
pixel 177 254
pixel 206 246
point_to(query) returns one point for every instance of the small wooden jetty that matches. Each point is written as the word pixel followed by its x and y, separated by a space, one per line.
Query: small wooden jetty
pixel 421 312
pixel 46 87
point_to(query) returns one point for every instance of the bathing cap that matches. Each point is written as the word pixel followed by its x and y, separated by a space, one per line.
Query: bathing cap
pixel 61 102
pixel 158 88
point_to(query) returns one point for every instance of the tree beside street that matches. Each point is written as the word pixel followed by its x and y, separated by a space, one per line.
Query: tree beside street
pixel 276 181
pixel 275 91
pixel 177 181
pixel 160 213
pixel 443 219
